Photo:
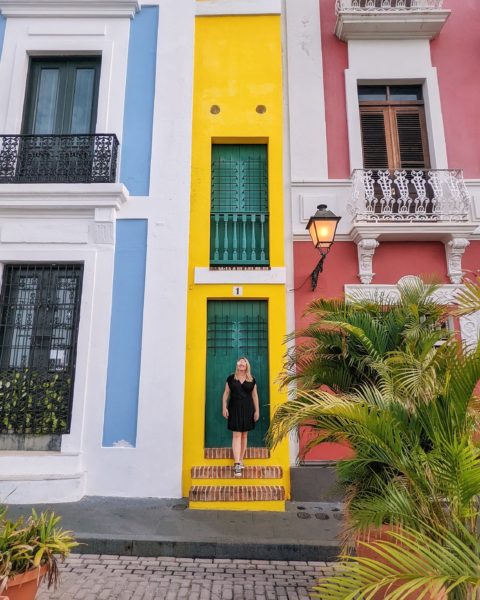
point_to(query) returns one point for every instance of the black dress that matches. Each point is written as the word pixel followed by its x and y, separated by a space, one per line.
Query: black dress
pixel 240 406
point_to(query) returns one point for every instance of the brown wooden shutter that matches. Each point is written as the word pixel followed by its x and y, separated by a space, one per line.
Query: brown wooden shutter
pixel 374 139
pixel 412 142
pixel 394 137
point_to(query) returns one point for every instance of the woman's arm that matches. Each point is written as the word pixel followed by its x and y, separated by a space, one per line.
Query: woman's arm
pixel 226 394
pixel 256 414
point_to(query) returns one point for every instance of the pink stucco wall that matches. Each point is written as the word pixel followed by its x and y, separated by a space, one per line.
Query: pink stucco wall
pixel 335 61
pixel 456 55
pixel 471 259
pixel 392 261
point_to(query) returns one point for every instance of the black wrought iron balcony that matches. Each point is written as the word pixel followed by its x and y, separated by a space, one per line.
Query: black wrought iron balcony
pixel 86 158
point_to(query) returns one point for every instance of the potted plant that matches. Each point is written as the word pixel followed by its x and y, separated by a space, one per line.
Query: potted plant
pixel 413 482
pixel 29 552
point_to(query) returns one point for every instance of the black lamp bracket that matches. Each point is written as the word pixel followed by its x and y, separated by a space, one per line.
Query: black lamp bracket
pixel 319 268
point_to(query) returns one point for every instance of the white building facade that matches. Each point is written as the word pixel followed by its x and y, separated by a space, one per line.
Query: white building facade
pixel 95 147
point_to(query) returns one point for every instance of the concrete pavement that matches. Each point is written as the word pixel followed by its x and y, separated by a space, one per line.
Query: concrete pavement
pixel 152 527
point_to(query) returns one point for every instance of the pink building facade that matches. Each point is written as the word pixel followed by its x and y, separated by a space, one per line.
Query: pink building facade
pixel 384 128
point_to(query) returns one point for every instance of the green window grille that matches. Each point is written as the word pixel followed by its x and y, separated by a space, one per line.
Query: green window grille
pixel 239 205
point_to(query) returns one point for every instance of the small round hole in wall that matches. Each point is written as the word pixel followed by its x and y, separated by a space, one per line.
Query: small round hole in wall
pixel 214 109
pixel 261 109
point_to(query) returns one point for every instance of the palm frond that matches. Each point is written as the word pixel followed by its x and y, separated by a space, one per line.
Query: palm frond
pixel 407 561
pixel 469 298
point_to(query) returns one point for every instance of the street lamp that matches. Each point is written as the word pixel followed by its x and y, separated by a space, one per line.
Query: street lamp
pixel 322 227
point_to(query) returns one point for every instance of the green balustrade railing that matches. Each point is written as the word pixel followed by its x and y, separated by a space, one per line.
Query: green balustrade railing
pixel 239 239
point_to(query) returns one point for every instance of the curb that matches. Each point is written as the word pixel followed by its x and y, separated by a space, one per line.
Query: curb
pixel 121 546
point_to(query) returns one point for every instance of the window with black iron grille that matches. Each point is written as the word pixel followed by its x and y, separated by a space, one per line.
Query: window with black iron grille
pixel 39 311
pixel 239 206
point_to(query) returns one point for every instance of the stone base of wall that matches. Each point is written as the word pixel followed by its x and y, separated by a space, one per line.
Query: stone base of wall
pixel 315 483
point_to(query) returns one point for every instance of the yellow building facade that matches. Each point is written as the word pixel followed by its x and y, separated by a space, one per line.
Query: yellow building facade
pixel 237 112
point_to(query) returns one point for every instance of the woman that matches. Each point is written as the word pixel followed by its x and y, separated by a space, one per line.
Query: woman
pixel 240 407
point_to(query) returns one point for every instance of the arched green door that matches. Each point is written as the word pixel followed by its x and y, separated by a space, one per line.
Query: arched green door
pixel 235 328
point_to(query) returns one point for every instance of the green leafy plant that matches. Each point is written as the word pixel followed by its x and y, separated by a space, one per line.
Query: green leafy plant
pixel 469 298
pixel 33 402
pixel 345 338
pixel 30 543
pixel 408 562
pixel 412 423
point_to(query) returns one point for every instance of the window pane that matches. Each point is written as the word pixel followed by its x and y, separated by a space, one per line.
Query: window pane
pixel 82 101
pixel 61 342
pixel 406 92
pixel 372 92
pixel 23 322
pixel 47 97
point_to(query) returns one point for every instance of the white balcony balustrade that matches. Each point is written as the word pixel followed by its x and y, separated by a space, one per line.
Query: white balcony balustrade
pixel 389 19
pixel 380 6
pixel 409 196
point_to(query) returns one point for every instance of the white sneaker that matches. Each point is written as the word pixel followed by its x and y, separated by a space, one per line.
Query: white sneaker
pixel 237 470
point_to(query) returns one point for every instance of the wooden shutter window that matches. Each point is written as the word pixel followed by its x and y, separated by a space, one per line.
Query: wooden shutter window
pixel 374 139
pixel 412 146
pixel 394 137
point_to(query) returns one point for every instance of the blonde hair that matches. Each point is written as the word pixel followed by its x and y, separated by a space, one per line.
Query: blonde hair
pixel 248 373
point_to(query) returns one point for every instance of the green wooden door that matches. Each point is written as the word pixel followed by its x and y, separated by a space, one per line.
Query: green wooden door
pixel 235 329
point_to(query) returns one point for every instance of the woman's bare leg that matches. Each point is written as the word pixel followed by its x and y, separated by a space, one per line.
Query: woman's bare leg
pixel 237 446
pixel 243 445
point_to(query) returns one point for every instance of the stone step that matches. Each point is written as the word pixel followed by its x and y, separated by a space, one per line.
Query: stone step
pixel 227 453
pixel 240 493
pixel 226 472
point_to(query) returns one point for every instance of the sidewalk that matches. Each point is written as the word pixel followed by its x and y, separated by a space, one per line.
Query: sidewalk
pixel 97 577
pixel 152 527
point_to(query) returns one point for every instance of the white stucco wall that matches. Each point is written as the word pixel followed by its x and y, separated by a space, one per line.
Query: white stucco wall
pixel 83 466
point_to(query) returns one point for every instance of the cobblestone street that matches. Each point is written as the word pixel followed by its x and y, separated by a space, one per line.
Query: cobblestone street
pixel 102 577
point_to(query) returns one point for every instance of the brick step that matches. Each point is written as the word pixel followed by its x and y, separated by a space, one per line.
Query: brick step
pixel 226 472
pixel 227 453
pixel 231 493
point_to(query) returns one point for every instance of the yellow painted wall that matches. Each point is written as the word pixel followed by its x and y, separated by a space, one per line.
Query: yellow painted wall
pixel 238 66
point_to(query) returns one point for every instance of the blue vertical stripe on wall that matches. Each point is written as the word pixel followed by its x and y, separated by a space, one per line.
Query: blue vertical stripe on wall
pixel 123 375
pixel 3 23
pixel 139 99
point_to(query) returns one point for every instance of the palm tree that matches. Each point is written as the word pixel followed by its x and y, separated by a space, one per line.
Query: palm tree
pixel 343 338
pixel 412 434
pixel 411 423
pixel 409 561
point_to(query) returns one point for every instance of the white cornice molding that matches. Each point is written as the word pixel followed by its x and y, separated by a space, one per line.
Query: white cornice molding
pixel 413 232
pixel 211 8
pixel 445 294
pixel 69 8
pixel 274 276
pixel 61 197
